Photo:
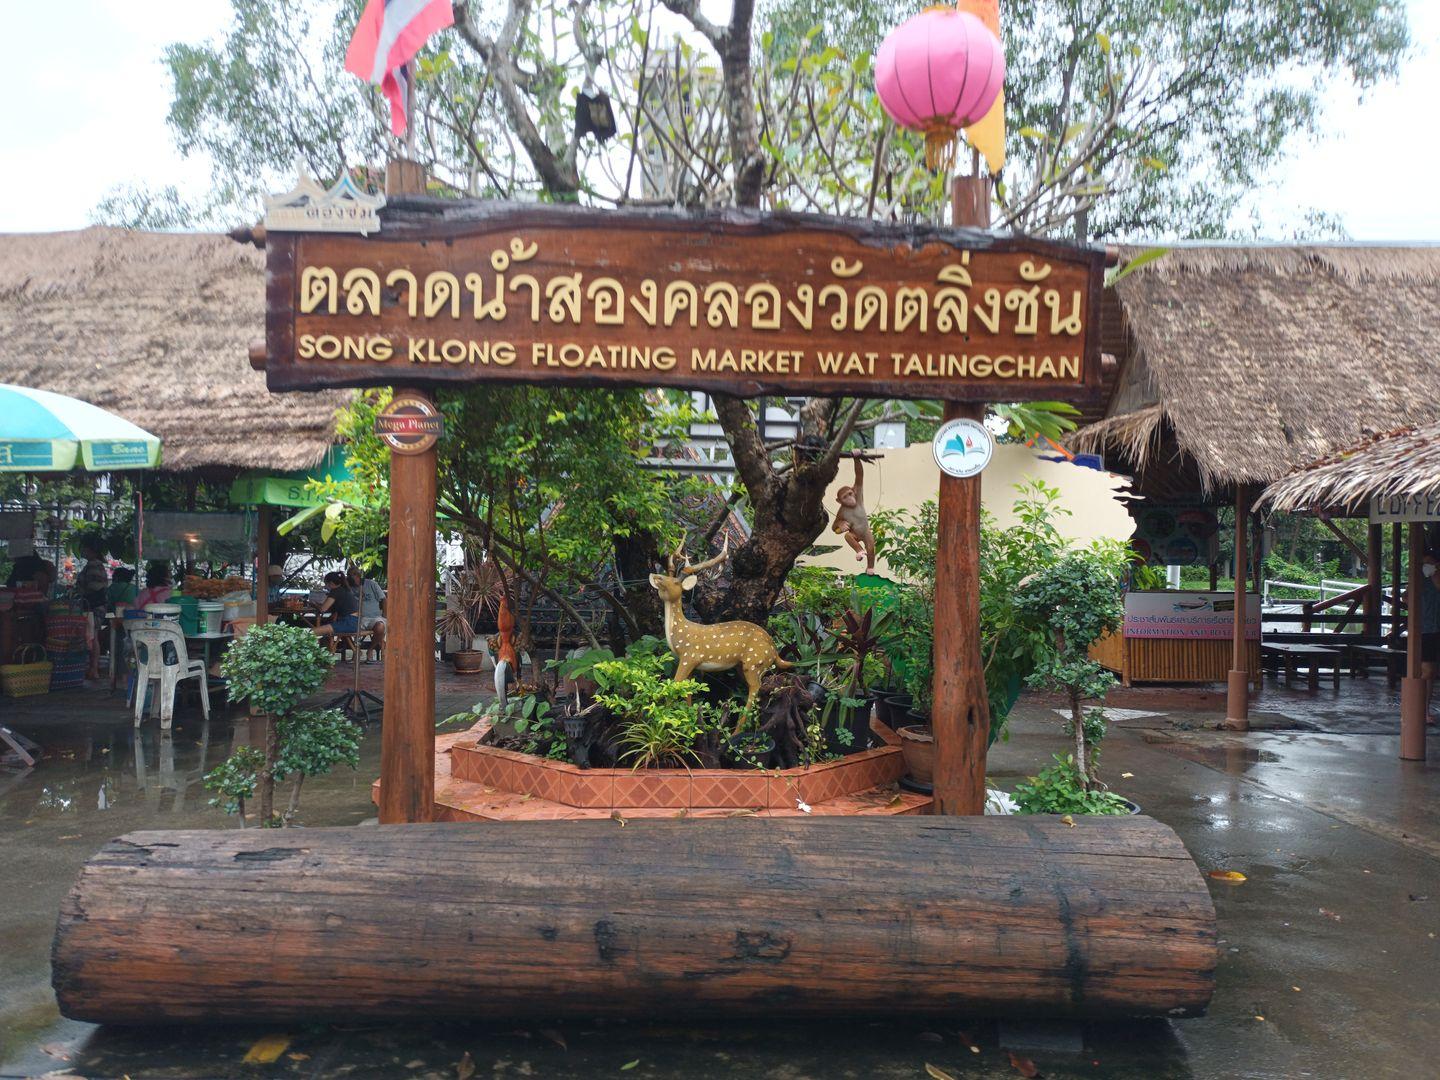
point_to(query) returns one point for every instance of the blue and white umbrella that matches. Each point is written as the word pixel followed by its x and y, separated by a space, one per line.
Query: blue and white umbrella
pixel 45 432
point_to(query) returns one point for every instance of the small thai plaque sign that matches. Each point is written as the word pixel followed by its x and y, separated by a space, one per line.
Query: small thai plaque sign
pixel 735 302
pixel 308 207
pixel 409 424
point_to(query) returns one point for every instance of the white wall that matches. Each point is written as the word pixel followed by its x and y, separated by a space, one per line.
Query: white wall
pixel 905 478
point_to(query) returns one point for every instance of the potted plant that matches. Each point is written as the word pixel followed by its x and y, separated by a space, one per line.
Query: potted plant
pixel 274 668
pixel 477 587
pixel 1078 600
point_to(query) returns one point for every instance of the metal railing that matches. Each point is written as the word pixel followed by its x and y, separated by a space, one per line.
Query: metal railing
pixel 1331 593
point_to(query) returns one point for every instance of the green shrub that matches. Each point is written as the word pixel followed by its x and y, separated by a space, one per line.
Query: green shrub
pixel 1060 789
pixel 660 722
pixel 234 780
pixel 275 667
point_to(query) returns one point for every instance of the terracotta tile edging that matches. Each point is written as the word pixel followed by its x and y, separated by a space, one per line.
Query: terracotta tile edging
pixel 707 789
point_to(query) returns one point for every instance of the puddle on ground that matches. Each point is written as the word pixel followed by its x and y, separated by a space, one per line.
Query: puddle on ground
pixel 1223 758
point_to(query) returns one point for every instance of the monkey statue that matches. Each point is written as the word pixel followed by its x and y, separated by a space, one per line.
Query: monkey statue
pixel 852 522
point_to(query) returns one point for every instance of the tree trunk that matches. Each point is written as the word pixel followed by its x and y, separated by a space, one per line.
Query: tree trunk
pixel 1107 917
pixel 1077 717
pixel 637 556
pixel 294 806
pixel 267 773
pixel 787 510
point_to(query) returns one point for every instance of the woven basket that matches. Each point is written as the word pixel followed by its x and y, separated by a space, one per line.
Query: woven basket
pixel 27 678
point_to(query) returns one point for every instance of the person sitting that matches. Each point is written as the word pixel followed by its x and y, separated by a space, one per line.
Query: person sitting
pixel 372 609
pixel 157 585
pixel 23 569
pixel 343 607
pixel 121 593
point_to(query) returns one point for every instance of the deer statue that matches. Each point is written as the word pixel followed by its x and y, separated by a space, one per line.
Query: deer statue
pixel 719 647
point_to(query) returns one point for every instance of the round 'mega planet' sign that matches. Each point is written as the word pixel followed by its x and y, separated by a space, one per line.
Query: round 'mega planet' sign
pixel 409 424
pixel 962 447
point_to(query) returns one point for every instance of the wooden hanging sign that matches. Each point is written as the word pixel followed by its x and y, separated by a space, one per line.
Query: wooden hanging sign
pixel 741 303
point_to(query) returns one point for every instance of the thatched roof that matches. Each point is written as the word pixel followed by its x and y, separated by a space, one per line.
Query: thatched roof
pixel 156 327
pixel 1401 462
pixel 1262 358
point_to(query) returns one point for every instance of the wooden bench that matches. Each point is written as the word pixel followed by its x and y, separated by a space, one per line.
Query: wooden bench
pixel 1312 657
pixel 1393 659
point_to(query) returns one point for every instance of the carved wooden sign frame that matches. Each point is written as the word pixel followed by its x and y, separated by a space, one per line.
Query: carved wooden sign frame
pixel 735 302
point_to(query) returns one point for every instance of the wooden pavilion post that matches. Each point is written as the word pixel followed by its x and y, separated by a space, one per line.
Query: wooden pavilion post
pixel 1412 688
pixel 1374 555
pixel 1237 697
pixel 407 741
pixel 262 565
pixel 1397 545
pixel 960 714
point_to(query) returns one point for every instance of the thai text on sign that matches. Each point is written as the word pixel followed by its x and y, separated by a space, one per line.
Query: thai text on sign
pixel 744 305
pixel 1188 616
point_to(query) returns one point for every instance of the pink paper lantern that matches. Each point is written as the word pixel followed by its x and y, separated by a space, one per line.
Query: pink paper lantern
pixel 937 73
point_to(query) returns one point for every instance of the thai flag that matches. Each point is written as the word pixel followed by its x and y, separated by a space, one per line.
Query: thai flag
pixel 390 33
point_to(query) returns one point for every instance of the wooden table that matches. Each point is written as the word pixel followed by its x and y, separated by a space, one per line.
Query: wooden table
pixel 1394 660
pixel 1312 657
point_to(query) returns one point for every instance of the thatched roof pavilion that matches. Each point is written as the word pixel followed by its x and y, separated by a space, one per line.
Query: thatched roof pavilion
pixel 1241 363
pixel 1403 462
pixel 156 327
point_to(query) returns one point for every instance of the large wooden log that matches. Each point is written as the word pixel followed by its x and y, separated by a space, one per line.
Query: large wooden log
pixel 733 917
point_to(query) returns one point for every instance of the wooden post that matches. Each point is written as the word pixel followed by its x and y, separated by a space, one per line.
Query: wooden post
pixel 960 714
pixel 1373 601
pixel 1214 576
pixel 259 727
pixel 1237 698
pixel 1412 688
pixel 262 566
pixel 1397 544
pixel 407 742
pixel 1257 550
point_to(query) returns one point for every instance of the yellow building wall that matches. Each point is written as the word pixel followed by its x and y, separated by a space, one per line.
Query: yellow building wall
pixel 905 478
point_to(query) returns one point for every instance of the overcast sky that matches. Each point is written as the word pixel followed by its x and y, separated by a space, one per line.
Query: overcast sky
pixel 90 113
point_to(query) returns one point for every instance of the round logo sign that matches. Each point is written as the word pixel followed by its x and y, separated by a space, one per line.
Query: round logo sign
pixel 409 424
pixel 962 447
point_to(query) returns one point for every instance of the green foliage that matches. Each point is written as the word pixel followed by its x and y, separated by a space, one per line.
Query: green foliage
pixel 549 478
pixel 1078 599
pixel 1059 789
pixel 660 721
pixel 1228 91
pixel 234 780
pixel 1011 641
pixel 314 741
pixel 582 666
pixel 275 667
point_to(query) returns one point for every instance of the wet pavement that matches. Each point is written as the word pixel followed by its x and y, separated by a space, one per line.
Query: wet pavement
pixel 1329 964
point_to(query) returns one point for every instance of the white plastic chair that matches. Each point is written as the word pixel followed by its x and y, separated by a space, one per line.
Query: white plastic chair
pixel 160 659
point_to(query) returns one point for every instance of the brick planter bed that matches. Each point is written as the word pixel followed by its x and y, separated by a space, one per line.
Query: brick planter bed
pixel 484 783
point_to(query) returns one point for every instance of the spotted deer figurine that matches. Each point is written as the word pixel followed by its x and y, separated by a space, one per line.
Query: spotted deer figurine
pixel 718 647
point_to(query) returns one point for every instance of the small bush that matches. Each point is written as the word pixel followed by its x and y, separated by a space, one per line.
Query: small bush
pixel 1059 790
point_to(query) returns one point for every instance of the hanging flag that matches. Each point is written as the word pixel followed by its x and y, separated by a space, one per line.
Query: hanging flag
pixel 988 133
pixel 388 36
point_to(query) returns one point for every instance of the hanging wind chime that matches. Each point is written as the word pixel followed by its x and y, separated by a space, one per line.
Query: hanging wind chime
pixel 937 73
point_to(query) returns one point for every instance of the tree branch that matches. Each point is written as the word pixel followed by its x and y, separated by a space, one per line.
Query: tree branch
pixel 752 461
pixel 557 173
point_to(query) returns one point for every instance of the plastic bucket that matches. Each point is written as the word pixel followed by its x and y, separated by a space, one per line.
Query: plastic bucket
pixel 189 613
pixel 210 614
pixel 163 611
